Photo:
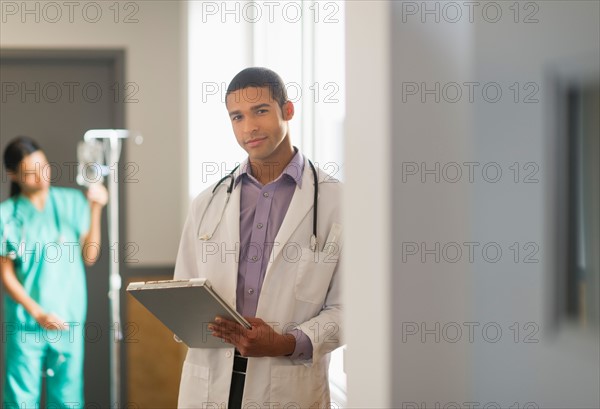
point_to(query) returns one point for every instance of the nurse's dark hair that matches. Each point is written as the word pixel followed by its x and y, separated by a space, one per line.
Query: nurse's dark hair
pixel 259 77
pixel 17 149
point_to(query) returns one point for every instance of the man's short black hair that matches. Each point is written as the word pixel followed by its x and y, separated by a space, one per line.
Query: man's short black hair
pixel 259 77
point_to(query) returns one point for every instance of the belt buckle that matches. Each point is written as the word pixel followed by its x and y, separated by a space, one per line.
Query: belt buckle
pixel 240 363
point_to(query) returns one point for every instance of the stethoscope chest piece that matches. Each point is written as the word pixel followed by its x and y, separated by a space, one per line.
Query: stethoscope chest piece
pixel 313 243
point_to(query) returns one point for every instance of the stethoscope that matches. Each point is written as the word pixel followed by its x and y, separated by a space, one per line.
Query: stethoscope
pixel 208 236
pixel 17 220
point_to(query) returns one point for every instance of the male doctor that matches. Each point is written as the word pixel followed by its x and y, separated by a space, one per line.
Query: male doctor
pixel 261 257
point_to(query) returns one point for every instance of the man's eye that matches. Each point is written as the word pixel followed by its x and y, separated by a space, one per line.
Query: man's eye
pixel 262 111
pixel 236 117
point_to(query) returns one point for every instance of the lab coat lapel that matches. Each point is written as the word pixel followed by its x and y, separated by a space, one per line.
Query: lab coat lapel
pixel 301 204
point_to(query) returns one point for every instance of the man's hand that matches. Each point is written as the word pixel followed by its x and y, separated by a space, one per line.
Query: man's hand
pixel 260 340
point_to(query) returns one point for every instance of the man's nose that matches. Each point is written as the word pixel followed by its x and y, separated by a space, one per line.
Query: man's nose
pixel 250 126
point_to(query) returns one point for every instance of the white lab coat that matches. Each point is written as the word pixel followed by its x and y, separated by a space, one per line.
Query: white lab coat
pixel 301 289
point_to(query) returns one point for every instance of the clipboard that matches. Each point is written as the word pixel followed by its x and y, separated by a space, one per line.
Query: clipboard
pixel 186 307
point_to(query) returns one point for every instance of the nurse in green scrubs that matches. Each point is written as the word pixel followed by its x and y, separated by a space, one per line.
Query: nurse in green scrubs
pixel 48 234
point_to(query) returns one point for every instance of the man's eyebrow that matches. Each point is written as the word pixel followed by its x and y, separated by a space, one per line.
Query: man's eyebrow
pixel 259 106
pixel 252 108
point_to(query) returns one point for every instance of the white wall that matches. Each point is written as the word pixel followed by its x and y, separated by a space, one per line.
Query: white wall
pixel 429 294
pixel 155 50
pixel 390 363
pixel 367 214
pixel 561 370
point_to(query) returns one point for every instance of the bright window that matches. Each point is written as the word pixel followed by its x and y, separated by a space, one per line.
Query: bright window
pixel 301 41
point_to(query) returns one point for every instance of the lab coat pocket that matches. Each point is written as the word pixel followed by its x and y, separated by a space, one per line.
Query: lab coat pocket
pixel 313 276
pixel 298 386
pixel 193 391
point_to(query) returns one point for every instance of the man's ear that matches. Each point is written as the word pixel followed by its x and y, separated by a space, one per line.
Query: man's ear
pixel 288 111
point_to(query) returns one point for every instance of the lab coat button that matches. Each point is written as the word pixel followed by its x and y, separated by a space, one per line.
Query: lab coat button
pixel 266 194
pixel 259 225
pixel 228 354
pixel 251 291
pixel 254 258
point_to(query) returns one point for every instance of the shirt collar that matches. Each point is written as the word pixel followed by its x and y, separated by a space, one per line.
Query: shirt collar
pixel 293 170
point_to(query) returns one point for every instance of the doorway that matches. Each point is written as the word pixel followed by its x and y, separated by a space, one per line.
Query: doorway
pixel 54 96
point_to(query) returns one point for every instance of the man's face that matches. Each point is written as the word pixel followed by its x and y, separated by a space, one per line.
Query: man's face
pixel 259 123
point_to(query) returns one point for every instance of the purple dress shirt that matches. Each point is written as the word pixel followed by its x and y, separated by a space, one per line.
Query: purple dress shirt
pixel 262 210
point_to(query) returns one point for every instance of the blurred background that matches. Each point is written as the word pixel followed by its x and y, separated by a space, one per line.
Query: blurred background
pixel 466 133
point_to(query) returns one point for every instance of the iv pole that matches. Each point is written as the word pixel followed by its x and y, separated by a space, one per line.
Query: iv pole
pixel 111 139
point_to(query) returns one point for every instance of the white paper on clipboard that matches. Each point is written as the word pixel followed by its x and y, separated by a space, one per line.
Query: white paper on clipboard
pixel 186 307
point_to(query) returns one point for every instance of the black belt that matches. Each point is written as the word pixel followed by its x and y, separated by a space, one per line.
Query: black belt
pixel 238 379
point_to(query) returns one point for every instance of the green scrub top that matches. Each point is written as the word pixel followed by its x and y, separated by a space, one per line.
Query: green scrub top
pixel 46 250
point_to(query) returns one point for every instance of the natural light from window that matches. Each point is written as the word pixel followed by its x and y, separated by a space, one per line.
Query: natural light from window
pixel 302 41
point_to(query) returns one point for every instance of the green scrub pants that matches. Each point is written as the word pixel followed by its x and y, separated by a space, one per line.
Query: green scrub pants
pixel 57 355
